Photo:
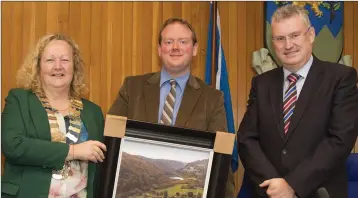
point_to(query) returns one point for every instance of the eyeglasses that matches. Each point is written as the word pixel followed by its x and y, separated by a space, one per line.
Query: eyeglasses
pixel 293 37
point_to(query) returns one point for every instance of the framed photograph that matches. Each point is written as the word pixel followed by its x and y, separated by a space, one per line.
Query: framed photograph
pixel 145 160
pixel 148 168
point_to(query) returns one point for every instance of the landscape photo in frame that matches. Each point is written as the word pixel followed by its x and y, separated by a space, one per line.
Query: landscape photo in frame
pixel 119 129
pixel 156 169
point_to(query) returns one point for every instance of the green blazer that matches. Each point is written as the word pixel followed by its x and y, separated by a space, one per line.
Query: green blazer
pixel 30 154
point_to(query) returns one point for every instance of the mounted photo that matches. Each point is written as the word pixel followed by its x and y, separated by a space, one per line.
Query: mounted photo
pixel 146 160
pixel 148 168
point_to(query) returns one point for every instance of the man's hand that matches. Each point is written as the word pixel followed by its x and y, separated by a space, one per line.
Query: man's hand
pixel 278 188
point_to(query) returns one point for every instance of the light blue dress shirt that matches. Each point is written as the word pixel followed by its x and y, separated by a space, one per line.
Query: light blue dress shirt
pixel 165 88
pixel 303 72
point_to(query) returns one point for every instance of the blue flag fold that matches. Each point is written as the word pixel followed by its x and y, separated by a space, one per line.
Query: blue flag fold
pixel 222 81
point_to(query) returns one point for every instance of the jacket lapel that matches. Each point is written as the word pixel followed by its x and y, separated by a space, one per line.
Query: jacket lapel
pixel 87 119
pixel 151 97
pixel 276 93
pixel 191 96
pixel 310 87
pixel 39 118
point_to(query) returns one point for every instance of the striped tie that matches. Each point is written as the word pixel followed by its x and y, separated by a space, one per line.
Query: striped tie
pixel 168 109
pixel 289 101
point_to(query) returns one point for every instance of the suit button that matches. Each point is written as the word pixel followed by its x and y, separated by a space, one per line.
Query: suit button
pixel 284 151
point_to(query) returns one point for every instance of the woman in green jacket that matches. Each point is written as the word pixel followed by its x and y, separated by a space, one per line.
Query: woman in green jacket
pixel 50 136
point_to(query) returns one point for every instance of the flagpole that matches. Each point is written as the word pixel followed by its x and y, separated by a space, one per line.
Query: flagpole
pixel 213 40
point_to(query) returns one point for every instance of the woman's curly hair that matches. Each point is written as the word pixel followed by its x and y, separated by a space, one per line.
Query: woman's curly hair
pixel 28 76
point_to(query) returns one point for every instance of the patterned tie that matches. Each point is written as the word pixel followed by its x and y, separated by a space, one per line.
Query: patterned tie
pixel 289 101
pixel 168 109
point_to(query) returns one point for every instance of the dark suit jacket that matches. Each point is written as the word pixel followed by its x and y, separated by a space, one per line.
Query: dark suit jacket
pixel 30 154
pixel 323 129
pixel 202 107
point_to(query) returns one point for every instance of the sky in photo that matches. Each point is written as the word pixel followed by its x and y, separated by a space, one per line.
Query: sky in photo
pixel 156 150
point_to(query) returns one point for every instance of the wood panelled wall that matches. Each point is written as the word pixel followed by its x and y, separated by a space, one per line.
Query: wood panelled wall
pixel 118 39
pixel 350 37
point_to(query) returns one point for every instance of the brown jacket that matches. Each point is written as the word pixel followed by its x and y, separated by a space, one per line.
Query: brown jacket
pixel 202 107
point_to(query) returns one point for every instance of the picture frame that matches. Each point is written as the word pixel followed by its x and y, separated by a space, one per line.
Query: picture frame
pixel 153 160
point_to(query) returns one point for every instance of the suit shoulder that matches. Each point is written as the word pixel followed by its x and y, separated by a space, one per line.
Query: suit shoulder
pixel 207 88
pixel 20 92
pixel 336 67
pixel 89 104
pixel 138 81
pixel 269 74
pixel 336 70
pixel 142 77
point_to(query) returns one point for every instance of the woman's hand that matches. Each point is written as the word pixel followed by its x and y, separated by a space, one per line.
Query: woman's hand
pixel 88 151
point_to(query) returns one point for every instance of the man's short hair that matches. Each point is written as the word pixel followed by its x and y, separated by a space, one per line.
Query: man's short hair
pixel 288 11
pixel 180 21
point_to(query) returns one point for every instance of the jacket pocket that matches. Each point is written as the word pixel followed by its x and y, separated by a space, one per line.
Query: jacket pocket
pixel 9 188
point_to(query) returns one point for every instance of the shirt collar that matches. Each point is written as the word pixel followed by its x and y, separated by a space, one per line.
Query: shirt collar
pixel 303 71
pixel 181 80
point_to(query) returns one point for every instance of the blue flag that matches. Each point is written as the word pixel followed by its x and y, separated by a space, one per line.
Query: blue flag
pixel 222 82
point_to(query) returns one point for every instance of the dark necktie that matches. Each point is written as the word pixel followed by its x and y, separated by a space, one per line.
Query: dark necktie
pixel 289 101
pixel 168 109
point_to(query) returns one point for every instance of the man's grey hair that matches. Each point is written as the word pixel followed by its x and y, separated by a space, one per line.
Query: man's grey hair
pixel 288 11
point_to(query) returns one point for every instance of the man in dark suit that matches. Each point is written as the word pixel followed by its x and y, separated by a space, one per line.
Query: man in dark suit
pixel 173 96
pixel 301 120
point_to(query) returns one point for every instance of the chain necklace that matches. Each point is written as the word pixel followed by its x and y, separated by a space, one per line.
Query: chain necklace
pixel 71 137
